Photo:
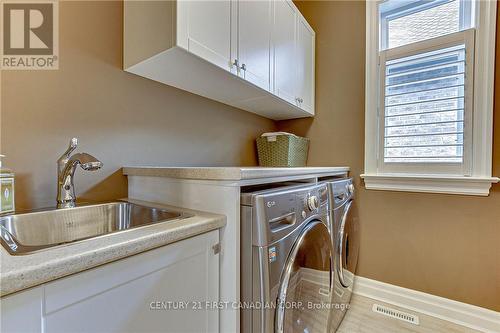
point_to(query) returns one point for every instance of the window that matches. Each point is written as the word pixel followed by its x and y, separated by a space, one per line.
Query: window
pixel 404 22
pixel 422 101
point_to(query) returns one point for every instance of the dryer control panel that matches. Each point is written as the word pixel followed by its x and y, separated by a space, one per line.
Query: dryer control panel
pixel 343 191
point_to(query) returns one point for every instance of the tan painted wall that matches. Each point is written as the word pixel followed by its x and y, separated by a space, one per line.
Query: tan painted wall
pixel 120 118
pixel 440 244
pixel 146 30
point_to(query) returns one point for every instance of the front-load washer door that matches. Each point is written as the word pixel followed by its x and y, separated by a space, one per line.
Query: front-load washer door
pixel 347 247
pixel 304 298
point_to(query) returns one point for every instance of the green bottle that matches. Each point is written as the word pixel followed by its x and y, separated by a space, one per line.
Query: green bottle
pixel 6 189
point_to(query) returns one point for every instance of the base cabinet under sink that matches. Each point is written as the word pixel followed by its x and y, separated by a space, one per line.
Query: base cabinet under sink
pixel 165 289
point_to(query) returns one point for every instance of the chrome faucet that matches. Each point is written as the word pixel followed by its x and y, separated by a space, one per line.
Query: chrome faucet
pixel 66 167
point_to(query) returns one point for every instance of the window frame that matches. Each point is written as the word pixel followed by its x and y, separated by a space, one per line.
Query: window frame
pixel 479 179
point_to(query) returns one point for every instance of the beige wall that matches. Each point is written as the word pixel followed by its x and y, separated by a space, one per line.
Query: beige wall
pixel 440 244
pixel 120 118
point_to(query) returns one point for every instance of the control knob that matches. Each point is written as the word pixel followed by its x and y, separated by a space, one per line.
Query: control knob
pixel 312 203
pixel 350 188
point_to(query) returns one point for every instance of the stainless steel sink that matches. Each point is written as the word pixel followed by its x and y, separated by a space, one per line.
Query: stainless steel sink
pixel 34 231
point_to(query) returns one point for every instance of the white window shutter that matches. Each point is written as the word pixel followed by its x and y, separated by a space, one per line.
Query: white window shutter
pixel 425 105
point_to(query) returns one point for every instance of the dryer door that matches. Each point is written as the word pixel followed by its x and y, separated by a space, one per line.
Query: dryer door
pixel 304 296
pixel 347 247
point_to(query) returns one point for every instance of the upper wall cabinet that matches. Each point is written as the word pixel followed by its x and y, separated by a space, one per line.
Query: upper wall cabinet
pixel 305 65
pixel 254 55
pixel 255 26
pixel 285 50
pixel 204 29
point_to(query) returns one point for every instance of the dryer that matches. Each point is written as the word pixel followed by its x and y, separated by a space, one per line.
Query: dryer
pixel 287 274
pixel 345 240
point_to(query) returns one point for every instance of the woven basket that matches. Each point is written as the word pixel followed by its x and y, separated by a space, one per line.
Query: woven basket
pixel 282 151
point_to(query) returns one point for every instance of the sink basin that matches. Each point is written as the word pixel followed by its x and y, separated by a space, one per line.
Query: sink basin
pixel 34 231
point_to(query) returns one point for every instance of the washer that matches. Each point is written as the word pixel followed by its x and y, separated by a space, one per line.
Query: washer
pixel 345 239
pixel 286 260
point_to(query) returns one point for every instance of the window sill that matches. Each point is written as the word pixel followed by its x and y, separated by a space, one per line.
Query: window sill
pixel 479 186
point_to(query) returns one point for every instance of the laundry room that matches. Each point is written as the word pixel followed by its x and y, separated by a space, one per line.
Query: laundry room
pixel 187 166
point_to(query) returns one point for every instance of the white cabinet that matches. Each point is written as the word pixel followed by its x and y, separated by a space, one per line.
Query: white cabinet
pixel 254 41
pixel 305 65
pixel 160 290
pixel 204 29
pixel 284 40
pixel 294 42
pixel 22 312
pixel 265 48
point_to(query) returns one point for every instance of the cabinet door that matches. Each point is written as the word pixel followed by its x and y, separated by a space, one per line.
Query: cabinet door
pixel 284 40
pixel 305 65
pixel 204 29
pixel 162 290
pixel 22 311
pixel 254 41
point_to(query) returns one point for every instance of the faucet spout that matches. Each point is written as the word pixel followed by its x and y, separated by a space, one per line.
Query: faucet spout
pixel 66 197
pixel 86 161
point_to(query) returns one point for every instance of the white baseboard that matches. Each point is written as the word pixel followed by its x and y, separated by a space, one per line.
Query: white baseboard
pixel 456 312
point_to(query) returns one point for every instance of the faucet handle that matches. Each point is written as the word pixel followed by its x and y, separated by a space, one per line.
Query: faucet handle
pixel 73 143
pixel 61 162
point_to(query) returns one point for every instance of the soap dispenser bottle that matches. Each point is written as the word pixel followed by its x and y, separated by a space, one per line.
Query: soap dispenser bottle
pixel 6 189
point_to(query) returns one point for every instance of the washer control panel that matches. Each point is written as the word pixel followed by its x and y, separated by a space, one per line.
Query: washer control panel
pixel 280 211
pixel 285 208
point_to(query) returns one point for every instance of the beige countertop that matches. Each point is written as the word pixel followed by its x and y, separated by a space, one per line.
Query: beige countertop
pixel 231 173
pixel 24 271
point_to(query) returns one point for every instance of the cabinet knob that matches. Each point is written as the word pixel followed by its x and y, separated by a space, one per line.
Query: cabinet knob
pixel 236 63
pixel 244 67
